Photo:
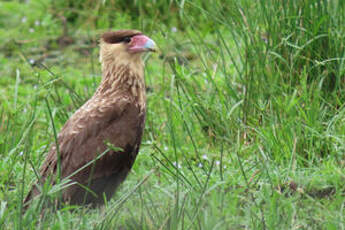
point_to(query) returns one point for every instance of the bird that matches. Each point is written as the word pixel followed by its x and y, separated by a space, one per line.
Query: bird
pixel 97 146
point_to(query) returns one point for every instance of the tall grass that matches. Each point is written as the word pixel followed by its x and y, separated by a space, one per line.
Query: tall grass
pixel 245 113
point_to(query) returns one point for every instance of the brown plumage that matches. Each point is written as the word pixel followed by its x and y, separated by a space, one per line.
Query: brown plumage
pixel 114 116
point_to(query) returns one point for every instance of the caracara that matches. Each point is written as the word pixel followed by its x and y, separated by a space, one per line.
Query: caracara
pixel 110 123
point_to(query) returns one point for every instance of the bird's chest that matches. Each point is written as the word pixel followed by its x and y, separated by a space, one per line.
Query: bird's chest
pixel 126 132
pixel 123 139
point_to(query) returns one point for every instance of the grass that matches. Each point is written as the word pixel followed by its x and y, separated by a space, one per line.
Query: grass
pixel 245 126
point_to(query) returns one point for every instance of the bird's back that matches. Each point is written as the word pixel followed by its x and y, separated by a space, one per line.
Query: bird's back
pixel 101 126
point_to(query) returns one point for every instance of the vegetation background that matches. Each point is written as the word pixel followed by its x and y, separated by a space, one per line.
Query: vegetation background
pixel 246 111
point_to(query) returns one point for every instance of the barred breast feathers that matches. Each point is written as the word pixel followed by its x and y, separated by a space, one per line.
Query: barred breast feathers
pixel 122 74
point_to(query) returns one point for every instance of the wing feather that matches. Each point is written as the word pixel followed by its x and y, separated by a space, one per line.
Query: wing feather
pixel 82 138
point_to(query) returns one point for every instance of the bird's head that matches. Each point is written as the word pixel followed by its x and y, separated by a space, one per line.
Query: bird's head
pixel 124 47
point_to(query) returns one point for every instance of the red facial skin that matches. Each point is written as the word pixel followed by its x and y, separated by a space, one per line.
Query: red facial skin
pixel 141 43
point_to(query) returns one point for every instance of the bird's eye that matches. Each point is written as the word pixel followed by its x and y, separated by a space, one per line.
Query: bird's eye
pixel 127 39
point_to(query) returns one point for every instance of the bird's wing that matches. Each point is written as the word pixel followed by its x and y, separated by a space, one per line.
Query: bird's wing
pixel 118 121
pixel 84 135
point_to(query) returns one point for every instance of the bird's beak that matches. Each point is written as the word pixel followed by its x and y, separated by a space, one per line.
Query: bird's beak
pixel 142 43
pixel 150 45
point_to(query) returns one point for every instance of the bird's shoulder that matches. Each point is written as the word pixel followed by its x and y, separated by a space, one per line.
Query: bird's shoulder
pixel 95 112
pixel 81 132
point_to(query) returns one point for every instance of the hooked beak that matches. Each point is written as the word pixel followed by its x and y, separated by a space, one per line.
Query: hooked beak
pixel 142 43
pixel 150 45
